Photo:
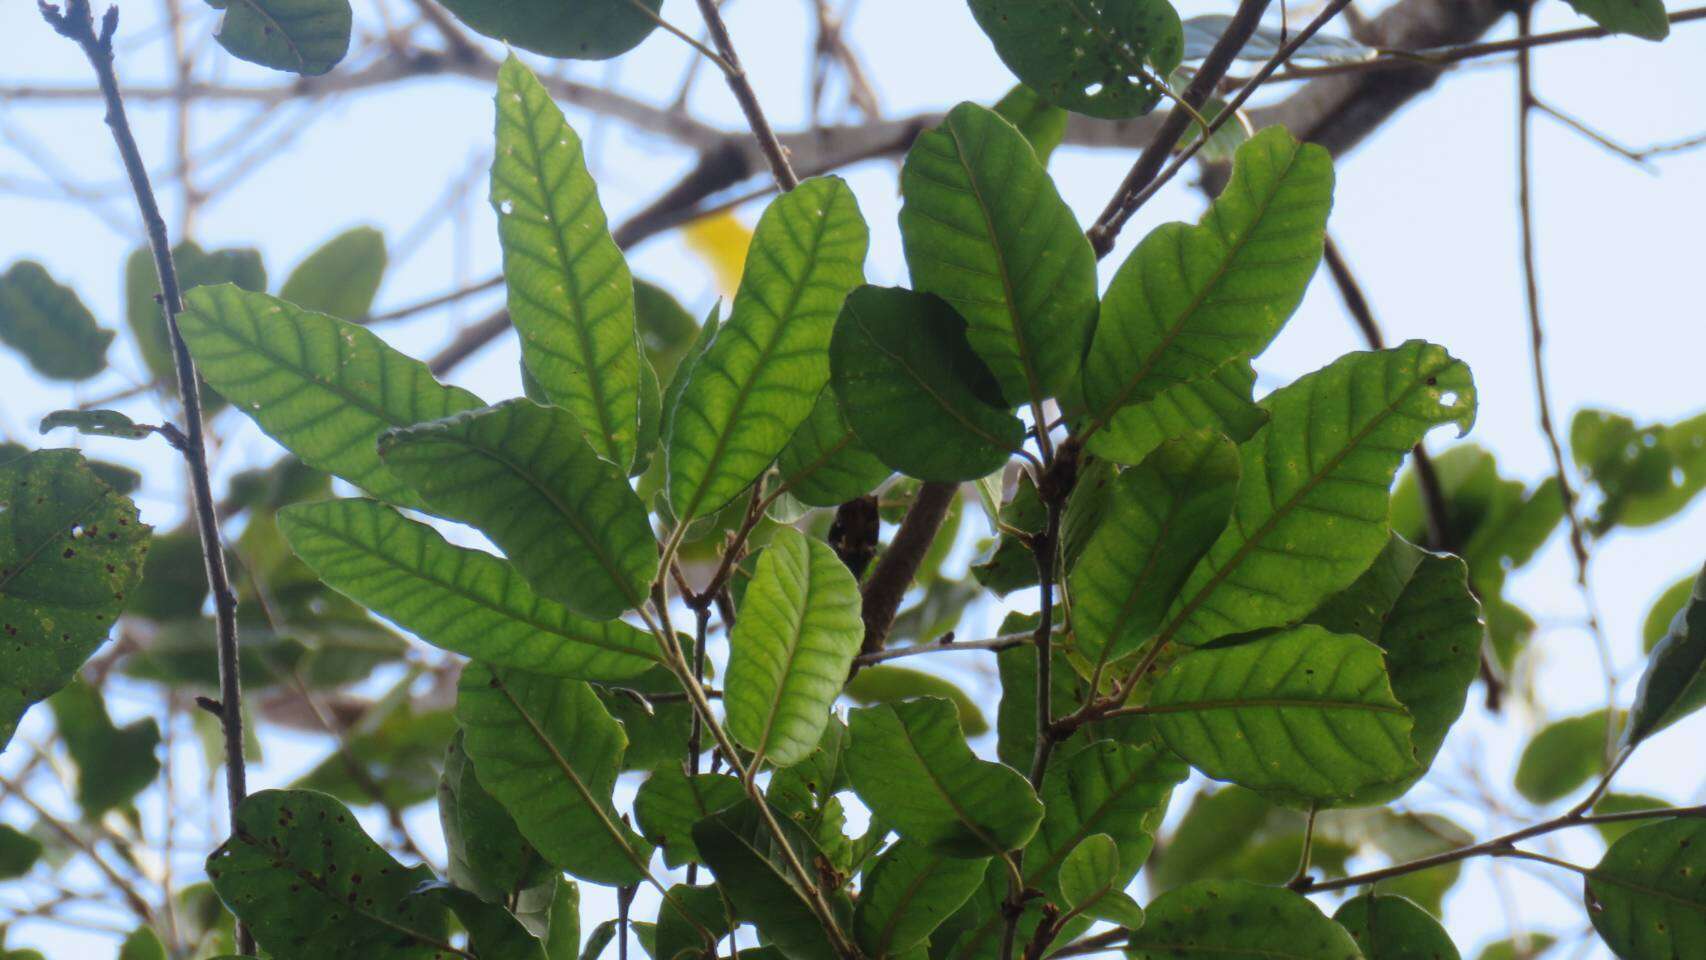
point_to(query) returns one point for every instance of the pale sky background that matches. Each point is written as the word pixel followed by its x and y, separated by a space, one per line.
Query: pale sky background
pixel 1425 212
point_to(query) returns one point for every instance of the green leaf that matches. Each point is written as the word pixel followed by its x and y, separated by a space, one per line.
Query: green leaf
pixel 985 229
pixel 341 277
pixel 1638 18
pixel 563 934
pixel 492 930
pixel 487 853
pixel 1656 626
pixel 756 383
pixel 824 464
pixel 1614 830
pixel 549 752
pixel 1674 684
pixel 670 802
pixel 750 867
pixel 1098 59
pixel 910 763
pixel 1090 882
pixel 1160 518
pixel 888 683
pixel 524 475
pixel 1393 928
pixel 1302 715
pixel 1647 898
pixel 1527 947
pixel 466 601
pixel 49 324
pixel 1417 606
pixel 1237 920
pixel 299 871
pixel 580 30
pixel 912 389
pixel 142 944
pixel 308 37
pixel 1645 474
pixel 690 921
pixel 790 650
pixel 1203 32
pixel 18 852
pixel 1190 298
pixel 571 297
pixel 1042 123
pixel 196 268
pixel 1564 756
pixel 114 764
pixel 907 894
pixel 1216 829
pixel 96 423
pixel 324 388
pixel 390 756
pixel 1219 402
pixel 1312 505
pixel 71 549
pixel 1110 788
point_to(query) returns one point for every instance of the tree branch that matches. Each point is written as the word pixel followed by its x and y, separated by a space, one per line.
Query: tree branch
pixel 891 579
pixel 736 76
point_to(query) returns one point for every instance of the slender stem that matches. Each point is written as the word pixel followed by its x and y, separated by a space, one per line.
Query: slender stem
pixel 774 153
pixel 1308 851
pixel 1045 548
pixel 704 51
pixel 77 24
pixel 993 644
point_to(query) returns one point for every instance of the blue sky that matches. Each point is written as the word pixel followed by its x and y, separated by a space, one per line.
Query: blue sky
pixel 1425 212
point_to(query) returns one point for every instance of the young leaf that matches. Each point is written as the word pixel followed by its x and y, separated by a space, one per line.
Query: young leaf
pixel 889 683
pixel 1238 920
pixel 341 278
pixel 571 297
pixel 71 550
pixel 1312 506
pixel 1638 18
pixel 114 763
pixel 670 802
pixel 49 325
pixel 824 464
pixel 462 600
pixel 487 854
pixel 308 37
pixel 752 869
pixel 1647 897
pixel 1099 59
pixel 798 630
pixel 986 230
pixel 324 388
pixel 756 383
pixel 912 389
pixel 526 477
pixel 1564 756
pixel 1393 928
pixel 1090 882
pixel 299 871
pixel 96 423
pixel 549 752
pixel 1160 518
pixel 907 894
pixel 910 764
pixel 1302 715
pixel 1674 684
pixel 1219 402
pixel 1190 298
pixel 581 30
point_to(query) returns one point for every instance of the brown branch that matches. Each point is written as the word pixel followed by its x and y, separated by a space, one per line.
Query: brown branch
pixel 76 23
pixel 891 579
pixel 741 85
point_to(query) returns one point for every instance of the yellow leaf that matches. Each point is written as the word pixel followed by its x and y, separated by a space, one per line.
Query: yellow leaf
pixel 721 241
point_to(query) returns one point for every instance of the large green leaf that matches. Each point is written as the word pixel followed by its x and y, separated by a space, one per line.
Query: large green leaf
pixel 299 871
pixel 910 763
pixel 1640 18
pixel 1237 920
pixel 1301 715
pixel 751 867
pixel 986 230
pixel 1219 402
pixel 303 36
pixel 323 387
pixel 114 763
pixel 71 549
pixel 49 325
pixel 462 600
pixel 1097 58
pixel 790 650
pixel 1312 503
pixel 1674 684
pixel 1393 928
pixel 571 297
pixel 487 854
pixel 1190 298
pixel 913 390
pixel 1108 787
pixel 1565 755
pixel 549 752
pixel 577 29
pixel 757 382
pixel 670 802
pixel 907 894
pixel 1417 606
pixel 341 277
pixel 1647 896
pixel 824 464
pixel 1159 519
pixel 526 477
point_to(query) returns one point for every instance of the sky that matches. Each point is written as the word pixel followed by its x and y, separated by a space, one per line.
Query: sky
pixel 1424 211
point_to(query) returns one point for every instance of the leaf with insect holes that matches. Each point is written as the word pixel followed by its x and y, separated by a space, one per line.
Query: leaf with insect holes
pixel 1102 59
pixel 308 37
pixel 1647 896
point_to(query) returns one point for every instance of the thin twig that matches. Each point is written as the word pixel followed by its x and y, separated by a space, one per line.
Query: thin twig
pixel 993 645
pixel 774 154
